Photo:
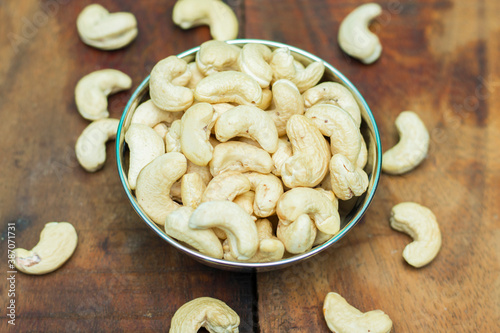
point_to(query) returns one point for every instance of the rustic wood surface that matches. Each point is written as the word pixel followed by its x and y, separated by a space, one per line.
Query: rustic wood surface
pixel 440 59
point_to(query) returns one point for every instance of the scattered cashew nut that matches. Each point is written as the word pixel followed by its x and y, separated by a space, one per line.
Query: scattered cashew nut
pixel 420 223
pixel 57 243
pixel 239 156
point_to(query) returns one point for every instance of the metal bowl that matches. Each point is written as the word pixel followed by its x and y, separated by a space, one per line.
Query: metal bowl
pixel 355 209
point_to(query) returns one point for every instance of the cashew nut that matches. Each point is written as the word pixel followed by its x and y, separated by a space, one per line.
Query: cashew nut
pixel 347 179
pixel 268 190
pixel 228 86
pixel 412 147
pixel 283 66
pixel 154 182
pixel 216 14
pixel 283 153
pixel 203 171
pixel 196 124
pixel 304 200
pixel 270 247
pixel 226 186
pixel 254 61
pixel 105 31
pixel 217 56
pixel 309 163
pixel 241 157
pixel 166 85
pixel 91 92
pixel 287 101
pixel 338 125
pixel 149 114
pixel 234 221
pixel 161 129
pixel 57 243
pixel 336 94
pixel 245 201
pixel 248 121
pixel 322 237
pixel 145 145
pixel 267 99
pixel 420 224
pixel 297 237
pixel 356 39
pixel 173 137
pixel 192 189
pixel 196 75
pixel 205 241
pixel 341 317
pixel 90 147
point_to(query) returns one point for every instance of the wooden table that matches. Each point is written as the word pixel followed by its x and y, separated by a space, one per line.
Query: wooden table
pixel 440 59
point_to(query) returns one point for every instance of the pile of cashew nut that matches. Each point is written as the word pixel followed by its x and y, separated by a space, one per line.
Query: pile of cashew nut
pixel 244 153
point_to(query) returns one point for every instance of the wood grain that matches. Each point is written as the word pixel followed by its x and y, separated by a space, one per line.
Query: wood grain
pixel 439 60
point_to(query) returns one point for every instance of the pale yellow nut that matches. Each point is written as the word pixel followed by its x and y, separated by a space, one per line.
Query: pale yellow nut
pixel 226 186
pixel 241 157
pixel 58 241
pixel 90 147
pixel 196 75
pixel 267 99
pixel 149 114
pixel 283 153
pixel 412 147
pixel 92 90
pixel 248 121
pixel 284 66
pixel 287 101
pixel 154 182
pixel 304 200
pixel 297 237
pixel 167 85
pixel 216 14
pixel 205 241
pixel 322 237
pixel 254 61
pixel 341 317
pixel 101 29
pixel 173 138
pixel 196 124
pixel 338 125
pixel 161 129
pixel 145 145
pixel 229 86
pixel 420 224
pixel 355 37
pixel 245 201
pixel 217 56
pixel 311 154
pixel 326 183
pixel 268 190
pixel 202 171
pixel 347 179
pixel 336 94
pixel 192 189
pixel 234 221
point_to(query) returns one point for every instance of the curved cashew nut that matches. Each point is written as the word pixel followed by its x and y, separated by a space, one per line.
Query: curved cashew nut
pixel 284 66
pixel 196 75
pixel 149 114
pixel 309 163
pixel 173 137
pixel 287 101
pixel 270 247
pixel 57 243
pixel 412 147
pixel 192 189
pixel 216 14
pixel 245 201
pixel 154 182
pixel 241 157
pixel 205 241
pixel 283 153
pixel 217 56
pixel 304 200
pixel 322 237
pixel 268 190
pixel 234 221
pixel 105 31
pixel 356 39
pixel 338 125
pixel 226 186
pixel 420 223
pixel 145 145
pixel 341 317
pixel 363 154
pixel 297 237
pixel 229 86
pixel 90 147
pixel 347 179
pixel 196 124
pixel 166 85
pixel 202 171
pixel 336 94
pixel 91 92
pixel 254 61
pixel 248 121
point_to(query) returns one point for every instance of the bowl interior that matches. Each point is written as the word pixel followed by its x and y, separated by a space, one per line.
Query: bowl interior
pixel 351 211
